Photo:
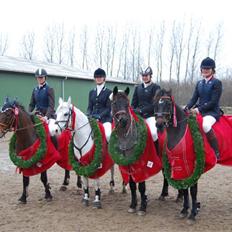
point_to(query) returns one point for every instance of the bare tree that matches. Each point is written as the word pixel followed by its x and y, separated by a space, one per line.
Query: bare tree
pixel 100 37
pixel 3 43
pixel 50 44
pixel 159 51
pixel 84 48
pixel 196 43
pixel 27 49
pixel 71 47
pixel 60 42
pixel 219 30
pixel 172 50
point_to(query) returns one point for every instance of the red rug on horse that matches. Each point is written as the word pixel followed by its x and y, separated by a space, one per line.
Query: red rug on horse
pixel 147 165
pixel 50 157
pixel 182 157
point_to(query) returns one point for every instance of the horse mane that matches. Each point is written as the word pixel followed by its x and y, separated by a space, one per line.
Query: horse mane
pixel 160 93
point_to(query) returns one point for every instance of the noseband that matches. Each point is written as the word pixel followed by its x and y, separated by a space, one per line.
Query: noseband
pixel 66 125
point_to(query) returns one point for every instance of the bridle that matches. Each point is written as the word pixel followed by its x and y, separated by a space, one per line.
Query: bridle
pixel 12 123
pixel 66 125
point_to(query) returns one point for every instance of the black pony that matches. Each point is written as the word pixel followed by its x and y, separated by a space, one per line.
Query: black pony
pixel 174 118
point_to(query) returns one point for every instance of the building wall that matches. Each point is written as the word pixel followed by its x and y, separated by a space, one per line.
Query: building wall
pixel 20 85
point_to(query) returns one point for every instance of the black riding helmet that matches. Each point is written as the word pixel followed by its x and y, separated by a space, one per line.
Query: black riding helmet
pixel 99 73
pixel 208 63
pixel 147 71
pixel 40 72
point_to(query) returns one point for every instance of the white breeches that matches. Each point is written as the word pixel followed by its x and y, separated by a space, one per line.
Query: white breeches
pixel 108 130
pixel 208 122
pixel 152 125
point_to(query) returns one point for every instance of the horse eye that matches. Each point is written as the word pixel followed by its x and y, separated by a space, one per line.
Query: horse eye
pixel 66 114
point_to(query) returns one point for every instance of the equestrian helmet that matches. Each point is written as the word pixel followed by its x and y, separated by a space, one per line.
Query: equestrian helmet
pixel 147 71
pixel 40 72
pixel 208 63
pixel 99 73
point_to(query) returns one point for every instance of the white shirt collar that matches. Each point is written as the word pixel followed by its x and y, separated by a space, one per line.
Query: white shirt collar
pixel 100 87
pixel 146 85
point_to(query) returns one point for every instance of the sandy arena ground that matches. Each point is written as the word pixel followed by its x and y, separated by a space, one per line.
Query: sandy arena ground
pixel 66 212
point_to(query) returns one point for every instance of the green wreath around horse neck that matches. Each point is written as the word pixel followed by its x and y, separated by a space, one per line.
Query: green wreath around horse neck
pixel 138 149
pixel 17 160
pixel 90 169
pixel 200 159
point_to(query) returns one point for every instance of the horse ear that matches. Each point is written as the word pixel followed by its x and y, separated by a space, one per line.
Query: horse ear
pixel 115 90
pixel 69 100
pixel 127 91
pixel 60 101
pixel 6 100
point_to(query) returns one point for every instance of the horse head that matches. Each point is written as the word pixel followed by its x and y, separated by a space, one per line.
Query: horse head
pixel 9 116
pixel 164 107
pixel 63 117
pixel 120 107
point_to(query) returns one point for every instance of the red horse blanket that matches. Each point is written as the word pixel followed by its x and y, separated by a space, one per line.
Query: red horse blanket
pixel 107 161
pixel 63 142
pixel 182 156
pixel 51 156
pixel 148 164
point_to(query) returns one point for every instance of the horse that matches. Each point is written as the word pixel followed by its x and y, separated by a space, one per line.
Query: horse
pixel 176 122
pixel 132 148
pixel 31 149
pixel 88 148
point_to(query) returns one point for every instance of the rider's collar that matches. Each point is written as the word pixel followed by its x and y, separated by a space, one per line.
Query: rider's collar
pixel 208 79
pixel 147 84
pixel 42 85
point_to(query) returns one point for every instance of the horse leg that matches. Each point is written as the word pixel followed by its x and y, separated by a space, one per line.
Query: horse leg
pixel 143 206
pixel 164 192
pixel 124 187
pixel 85 199
pixel 97 200
pixel 184 211
pixel 133 205
pixel 44 179
pixel 23 198
pixel 79 182
pixel 112 184
pixel 180 195
pixel 66 181
pixel 195 204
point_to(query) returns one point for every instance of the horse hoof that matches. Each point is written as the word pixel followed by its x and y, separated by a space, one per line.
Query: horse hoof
pixel 179 200
pixel 48 198
pixel 22 200
pixel 191 219
pixel 124 191
pixel 141 213
pixel 183 214
pixel 162 198
pixel 63 188
pixel 85 202
pixel 97 205
pixel 111 191
pixel 131 210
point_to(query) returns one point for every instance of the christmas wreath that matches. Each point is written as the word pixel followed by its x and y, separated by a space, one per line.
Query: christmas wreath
pixel 138 149
pixel 88 170
pixel 17 160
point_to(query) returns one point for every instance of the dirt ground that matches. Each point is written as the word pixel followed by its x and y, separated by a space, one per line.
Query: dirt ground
pixel 66 212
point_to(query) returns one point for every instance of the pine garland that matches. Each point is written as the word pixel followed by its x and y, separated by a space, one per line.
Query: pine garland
pixel 200 159
pixel 138 149
pixel 17 160
pixel 90 169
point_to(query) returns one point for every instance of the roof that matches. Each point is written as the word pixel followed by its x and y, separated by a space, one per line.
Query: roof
pixel 20 65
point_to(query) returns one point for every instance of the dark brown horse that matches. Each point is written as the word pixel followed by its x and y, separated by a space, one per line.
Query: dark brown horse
pixel 174 118
pixel 129 133
pixel 13 117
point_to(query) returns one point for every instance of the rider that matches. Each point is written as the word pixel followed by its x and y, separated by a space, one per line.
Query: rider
pixel 208 91
pixel 42 98
pixel 99 106
pixel 142 102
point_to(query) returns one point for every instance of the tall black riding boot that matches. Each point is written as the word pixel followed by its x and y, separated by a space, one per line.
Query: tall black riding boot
pixel 213 142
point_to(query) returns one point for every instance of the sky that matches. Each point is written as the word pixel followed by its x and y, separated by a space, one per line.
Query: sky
pixel 20 16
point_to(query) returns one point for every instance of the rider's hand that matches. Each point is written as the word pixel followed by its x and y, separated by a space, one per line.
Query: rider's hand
pixel 96 116
pixel 45 118
pixel 194 111
pixel 138 111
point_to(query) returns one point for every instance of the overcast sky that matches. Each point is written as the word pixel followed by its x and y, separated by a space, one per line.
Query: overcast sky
pixel 20 16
